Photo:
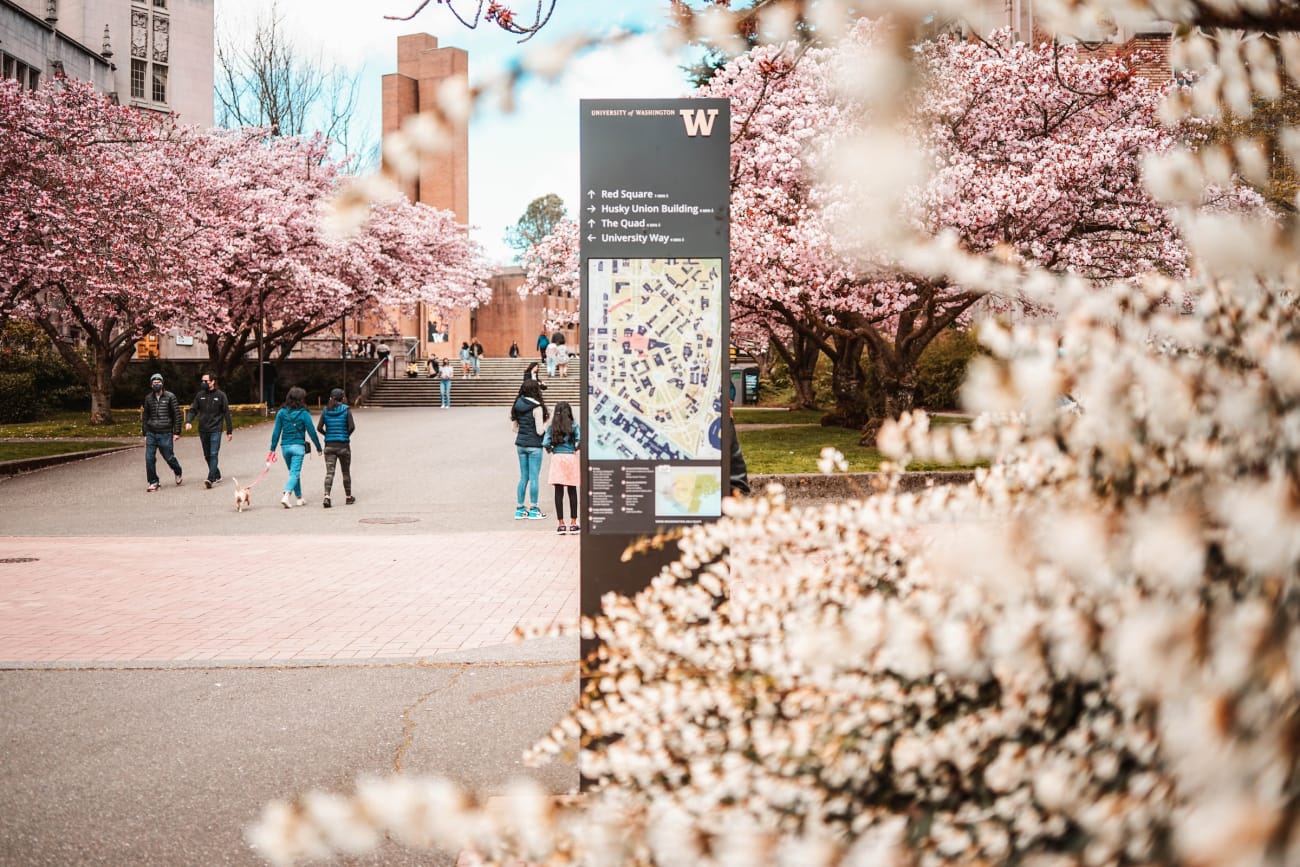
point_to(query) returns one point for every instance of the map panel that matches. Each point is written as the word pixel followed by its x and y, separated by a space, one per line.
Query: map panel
pixel 688 492
pixel 655 359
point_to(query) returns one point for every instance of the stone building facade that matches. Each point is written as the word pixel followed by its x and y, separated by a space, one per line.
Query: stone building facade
pixel 156 55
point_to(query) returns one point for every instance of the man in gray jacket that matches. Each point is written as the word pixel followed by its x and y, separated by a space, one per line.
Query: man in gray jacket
pixel 160 425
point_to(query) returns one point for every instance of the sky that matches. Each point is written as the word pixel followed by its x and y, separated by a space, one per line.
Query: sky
pixel 514 158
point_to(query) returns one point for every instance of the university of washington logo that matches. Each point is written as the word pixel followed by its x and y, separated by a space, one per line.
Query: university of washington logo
pixel 698 121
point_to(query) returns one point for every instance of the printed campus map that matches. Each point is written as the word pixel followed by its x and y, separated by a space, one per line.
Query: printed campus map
pixel 655 359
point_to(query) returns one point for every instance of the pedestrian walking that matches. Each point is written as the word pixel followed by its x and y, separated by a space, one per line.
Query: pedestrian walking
pixel 336 424
pixel 160 425
pixel 542 342
pixel 444 383
pixel 431 367
pixel 464 358
pixel 475 355
pixel 212 408
pixel 562 440
pixel 530 373
pixel 552 349
pixel 514 349
pixel 292 427
pixel 529 415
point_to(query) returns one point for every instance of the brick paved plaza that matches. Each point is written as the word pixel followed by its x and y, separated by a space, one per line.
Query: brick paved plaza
pixel 428 561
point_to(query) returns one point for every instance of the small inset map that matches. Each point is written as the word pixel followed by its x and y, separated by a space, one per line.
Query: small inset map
pixel 655 350
pixel 688 492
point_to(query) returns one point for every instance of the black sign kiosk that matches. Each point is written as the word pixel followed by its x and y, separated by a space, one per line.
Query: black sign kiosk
pixel 654 223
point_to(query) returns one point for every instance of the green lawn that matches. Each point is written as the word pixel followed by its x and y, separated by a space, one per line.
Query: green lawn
pixel 45 448
pixel 796 450
pixel 76 425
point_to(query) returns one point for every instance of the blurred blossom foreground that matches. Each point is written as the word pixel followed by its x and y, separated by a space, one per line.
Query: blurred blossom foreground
pixel 1091 655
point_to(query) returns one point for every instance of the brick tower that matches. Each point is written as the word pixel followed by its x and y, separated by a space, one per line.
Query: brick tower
pixel 422 67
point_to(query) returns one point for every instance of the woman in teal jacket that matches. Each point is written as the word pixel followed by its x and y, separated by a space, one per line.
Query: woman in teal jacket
pixel 293 422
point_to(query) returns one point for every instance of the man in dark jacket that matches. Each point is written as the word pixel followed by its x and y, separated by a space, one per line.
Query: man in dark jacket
pixel 160 425
pixel 213 411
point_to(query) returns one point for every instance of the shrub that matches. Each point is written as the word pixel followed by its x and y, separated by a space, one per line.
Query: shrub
pixel 942 369
pixel 18 398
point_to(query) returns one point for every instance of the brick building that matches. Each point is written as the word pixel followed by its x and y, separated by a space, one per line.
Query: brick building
pixel 423 67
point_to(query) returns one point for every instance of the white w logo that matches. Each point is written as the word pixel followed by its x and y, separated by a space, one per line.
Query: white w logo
pixel 698 121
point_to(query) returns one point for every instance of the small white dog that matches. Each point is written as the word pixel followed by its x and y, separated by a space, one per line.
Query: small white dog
pixel 243 499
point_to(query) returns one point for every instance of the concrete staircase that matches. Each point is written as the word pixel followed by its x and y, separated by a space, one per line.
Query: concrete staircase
pixel 496 385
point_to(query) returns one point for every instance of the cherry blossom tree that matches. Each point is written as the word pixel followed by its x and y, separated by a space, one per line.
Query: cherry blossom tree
pixel 282 277
pixel 551 267
pixel 1038 150
pixel 411 253
pixel 102 221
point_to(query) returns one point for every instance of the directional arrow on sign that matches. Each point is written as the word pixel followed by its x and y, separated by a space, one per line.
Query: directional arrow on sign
pixel 591 194
pixel 591 237
pixel 591 209
pixel 591 222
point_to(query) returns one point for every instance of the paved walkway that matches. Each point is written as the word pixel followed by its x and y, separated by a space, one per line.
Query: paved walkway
pixel 94 570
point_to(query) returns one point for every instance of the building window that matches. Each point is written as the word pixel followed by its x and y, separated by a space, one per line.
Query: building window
pixel 139 33
pixel 137 78
pixel 27 76
pixel 160 4
pixel 159 83
pixel 160 39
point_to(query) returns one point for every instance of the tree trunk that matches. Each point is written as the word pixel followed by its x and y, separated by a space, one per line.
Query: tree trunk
pixel 898 381
pixel 803 367
pixel 101 387
pixel 848 384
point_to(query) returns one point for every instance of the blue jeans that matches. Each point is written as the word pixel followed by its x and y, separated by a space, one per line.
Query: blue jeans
pixel 154 443
pixel 211 443
pixel 530 470
pixel 444 386
pixel 293 455
pixel 474 362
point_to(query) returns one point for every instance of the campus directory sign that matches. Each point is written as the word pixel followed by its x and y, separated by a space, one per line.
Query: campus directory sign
pixel 654 239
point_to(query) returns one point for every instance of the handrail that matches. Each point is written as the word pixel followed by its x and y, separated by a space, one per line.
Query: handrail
pixel 368 384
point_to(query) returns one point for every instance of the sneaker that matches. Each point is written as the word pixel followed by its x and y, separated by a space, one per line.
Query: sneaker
pixel 520 511
pixel 561 530
pixel 284 501
pixel 301 501
pixel 325 503
pixel 535 514
pixel 350 500
pixel 574 529
pixel 178 480
pixel 216 482
pixel 151 488
pixel 207 483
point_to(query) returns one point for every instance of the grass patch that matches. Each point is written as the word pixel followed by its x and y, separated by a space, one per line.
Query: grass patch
pixel 777 416
pixel 76 425
pixel 796 450
pixel 45 448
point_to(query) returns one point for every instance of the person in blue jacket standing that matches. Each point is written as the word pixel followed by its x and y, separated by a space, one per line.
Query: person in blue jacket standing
pixel 336 425
pixel 293 423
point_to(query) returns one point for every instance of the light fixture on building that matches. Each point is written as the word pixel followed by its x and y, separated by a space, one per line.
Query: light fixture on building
pixel 107 51
pixel 51 11
pixel 57 66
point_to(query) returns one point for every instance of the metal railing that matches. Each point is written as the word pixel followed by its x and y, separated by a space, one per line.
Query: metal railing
pixel 369 384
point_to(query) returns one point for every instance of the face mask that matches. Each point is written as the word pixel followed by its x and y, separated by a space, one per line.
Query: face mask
pixel 157 386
